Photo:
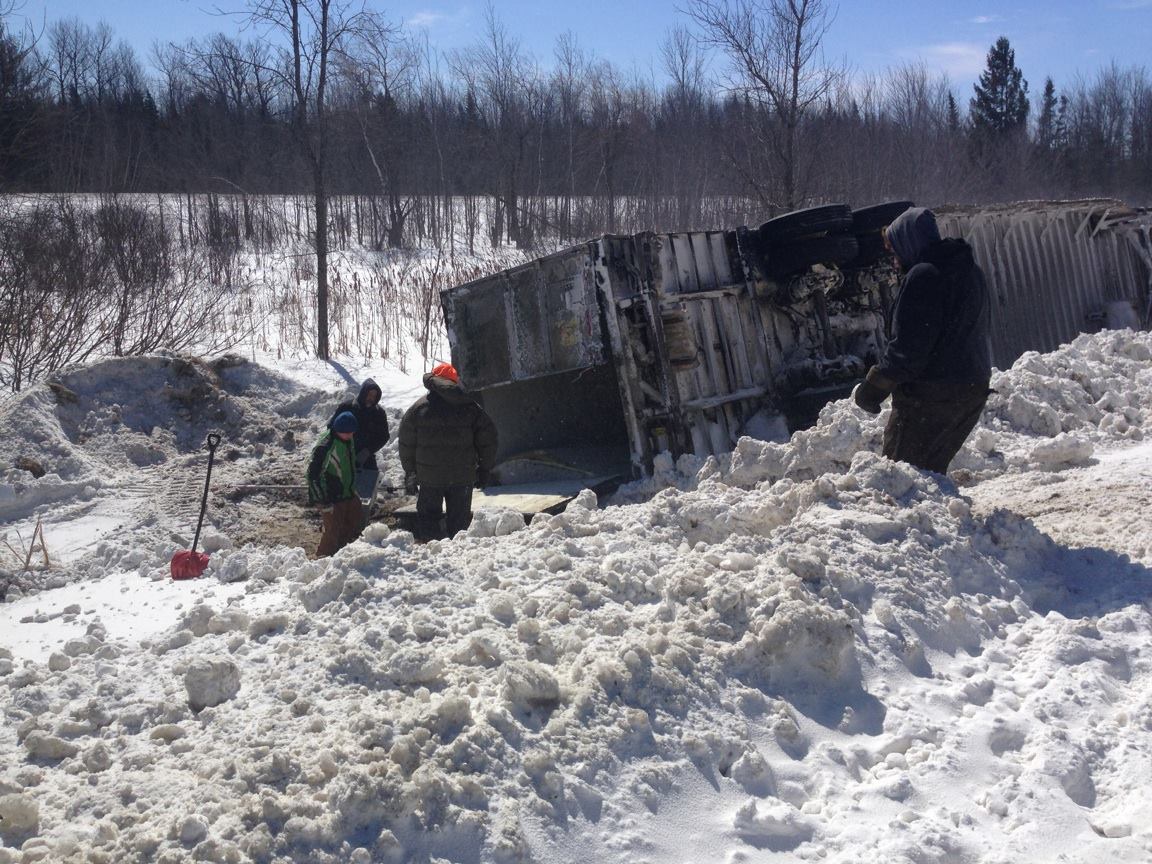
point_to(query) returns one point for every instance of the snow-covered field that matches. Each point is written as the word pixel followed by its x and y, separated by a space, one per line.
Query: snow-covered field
pixel 803 652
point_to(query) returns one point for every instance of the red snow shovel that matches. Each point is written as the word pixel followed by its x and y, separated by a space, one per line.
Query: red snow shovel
pixel 192 564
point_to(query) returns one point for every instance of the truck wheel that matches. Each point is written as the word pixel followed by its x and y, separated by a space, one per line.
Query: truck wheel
pixel 877 216
pixel 870 249
pixel 833 249
pixel 825 219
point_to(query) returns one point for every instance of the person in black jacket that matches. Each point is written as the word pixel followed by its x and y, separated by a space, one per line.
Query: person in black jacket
pixel 372 424
pixel 447 446
pixel 938 362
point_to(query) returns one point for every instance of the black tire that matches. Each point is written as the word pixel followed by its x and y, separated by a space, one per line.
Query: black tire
pixel 825 219
pixel 870 249
pixel 793 257
pixel 877 216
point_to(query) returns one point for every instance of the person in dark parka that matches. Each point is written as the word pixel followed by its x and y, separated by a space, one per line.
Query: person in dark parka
pixel 372 424
pixel 937 363
pixel 447 446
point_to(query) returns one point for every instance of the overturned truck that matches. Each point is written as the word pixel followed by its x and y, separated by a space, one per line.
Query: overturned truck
pixel 594 359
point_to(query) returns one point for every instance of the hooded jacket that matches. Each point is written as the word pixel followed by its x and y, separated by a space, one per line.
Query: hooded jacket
pixel 372 432
pixel 446 437
pixel 940 320
pixel 331 470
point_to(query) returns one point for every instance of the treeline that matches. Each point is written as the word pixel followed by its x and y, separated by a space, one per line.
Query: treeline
pixel 571 148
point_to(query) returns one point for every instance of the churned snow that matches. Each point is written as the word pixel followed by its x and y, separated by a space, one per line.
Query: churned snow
pixel 802 651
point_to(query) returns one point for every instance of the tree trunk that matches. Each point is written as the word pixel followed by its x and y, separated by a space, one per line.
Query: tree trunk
pixel 320 196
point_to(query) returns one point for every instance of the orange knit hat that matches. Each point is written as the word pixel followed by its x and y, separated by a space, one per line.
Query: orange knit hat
pixel 446 370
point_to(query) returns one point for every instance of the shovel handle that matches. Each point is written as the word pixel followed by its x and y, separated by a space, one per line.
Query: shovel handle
pixel 214 439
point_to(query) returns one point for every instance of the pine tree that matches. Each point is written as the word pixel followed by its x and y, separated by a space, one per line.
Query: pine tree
pixel 1046 123
pixel 1060 129
pixel 1000 106
pixel 953 114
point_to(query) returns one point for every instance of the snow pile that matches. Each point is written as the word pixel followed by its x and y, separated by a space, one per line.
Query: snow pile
pixel 806 652
pixel 111 458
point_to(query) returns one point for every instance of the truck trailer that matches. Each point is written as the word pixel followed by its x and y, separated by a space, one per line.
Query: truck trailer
pixel 594 359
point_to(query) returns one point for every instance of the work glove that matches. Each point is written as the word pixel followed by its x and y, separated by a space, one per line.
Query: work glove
pixel 483 478
pixel 873 390
pixel 410 484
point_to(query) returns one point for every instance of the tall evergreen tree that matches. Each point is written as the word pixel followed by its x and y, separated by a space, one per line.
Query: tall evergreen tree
pixel 1000 106
pixel 1046 123
pixel 953 116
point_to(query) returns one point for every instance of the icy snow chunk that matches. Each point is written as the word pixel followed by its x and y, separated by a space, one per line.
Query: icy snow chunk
pixel 755 461
pixel 19 815
pixel 414 665
pixel 193 829
pixel 58 662
pixel 738 562
pixel 177 640
pixel 322 592
pixel 502 607
pixel 77 647
pixel 41 745
pixel 586 500
pixel 98 758
pixel 530 685
pixel 168 732
pixel 804 643
pixel 196 619
pixel 234 568
pixel 265 624
pixel 495 522
pixel 227 621
pixel 752 772
pixel 375 533
pixel 779 825
pixel 211 681
pixel 884 475
pixel 214 541
pixel 1064 449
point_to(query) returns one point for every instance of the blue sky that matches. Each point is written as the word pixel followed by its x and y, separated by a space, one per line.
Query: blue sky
pixel 1051 37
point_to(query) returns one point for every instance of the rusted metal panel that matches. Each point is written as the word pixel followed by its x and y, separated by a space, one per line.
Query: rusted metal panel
pixel 534 320
pixel 1053 267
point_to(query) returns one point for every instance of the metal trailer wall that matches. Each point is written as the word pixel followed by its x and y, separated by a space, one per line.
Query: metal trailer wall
pixel 1053 268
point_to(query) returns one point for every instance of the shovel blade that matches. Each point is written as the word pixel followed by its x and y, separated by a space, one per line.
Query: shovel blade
pixel 189 565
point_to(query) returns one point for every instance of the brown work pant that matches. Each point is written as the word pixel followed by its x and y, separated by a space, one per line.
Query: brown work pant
pixel 342 524
pixel 929 423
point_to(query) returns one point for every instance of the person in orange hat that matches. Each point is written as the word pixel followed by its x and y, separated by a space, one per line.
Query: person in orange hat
pixel 447 446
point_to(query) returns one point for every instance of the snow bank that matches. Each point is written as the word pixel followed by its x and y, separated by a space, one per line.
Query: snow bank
pixel 423 698
pixel 807 652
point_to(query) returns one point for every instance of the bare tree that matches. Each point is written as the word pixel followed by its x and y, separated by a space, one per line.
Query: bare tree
pixel 385 76
pixel 775 61
pixel 504 77
pixel 569 83
pixel 312 34
pixel 684 117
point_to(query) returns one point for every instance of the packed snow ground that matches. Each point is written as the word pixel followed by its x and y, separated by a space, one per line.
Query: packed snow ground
pixel 800 652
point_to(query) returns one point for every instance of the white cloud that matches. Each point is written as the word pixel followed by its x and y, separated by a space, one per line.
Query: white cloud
pixel 956 59
pixel 425 19
pixel 986 19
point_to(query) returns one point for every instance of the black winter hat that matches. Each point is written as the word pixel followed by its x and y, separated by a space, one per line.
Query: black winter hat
pixel 345 422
